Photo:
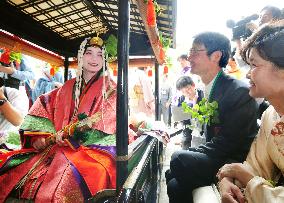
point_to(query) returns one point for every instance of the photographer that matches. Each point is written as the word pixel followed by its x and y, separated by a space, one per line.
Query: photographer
pixel 244 29
pixel 269 14
pixel 240 31
pixel 13 107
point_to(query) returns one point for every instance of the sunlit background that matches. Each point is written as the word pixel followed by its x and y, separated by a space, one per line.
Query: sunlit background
pixel 194 16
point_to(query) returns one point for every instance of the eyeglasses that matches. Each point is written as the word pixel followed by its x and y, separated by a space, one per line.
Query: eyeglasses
pixel 195 51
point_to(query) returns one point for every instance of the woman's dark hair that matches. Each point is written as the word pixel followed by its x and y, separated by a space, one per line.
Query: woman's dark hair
pixel 184 81
pixel 88 45
pixel 214 41
pixel 268 42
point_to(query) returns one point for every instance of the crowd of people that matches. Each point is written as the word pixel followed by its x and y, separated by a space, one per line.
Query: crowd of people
pixel 243 157
pixel 247 161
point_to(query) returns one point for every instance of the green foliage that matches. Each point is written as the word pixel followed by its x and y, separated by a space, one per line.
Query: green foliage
pixel 111 48
pixel 273 183
pixel 158 8
pixel 81 135
pixel 82 116
pixel 166 42
pixel 169 61
pixel 15 56
pixel 204 111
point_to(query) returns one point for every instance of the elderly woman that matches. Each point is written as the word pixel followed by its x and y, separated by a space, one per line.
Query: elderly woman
pixel 261 174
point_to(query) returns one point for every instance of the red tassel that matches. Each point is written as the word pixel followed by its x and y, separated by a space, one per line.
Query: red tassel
pixel 162 54
pixel 151 14
pixel 166 69
pixel 150 73
pixel 52 71
pixel 114 72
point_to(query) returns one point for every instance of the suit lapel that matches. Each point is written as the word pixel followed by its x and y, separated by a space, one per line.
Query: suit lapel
pixel 218 89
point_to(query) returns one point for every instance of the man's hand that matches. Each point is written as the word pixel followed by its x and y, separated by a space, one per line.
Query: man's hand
pixel 229 192
pixel 9 70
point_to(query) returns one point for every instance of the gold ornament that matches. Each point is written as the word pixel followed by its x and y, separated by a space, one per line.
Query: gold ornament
pixel 96 41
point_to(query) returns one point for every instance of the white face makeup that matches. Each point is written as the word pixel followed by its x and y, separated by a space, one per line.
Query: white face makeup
pixel 92 60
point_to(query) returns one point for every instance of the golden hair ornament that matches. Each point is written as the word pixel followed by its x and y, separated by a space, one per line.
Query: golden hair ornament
pixel 96 41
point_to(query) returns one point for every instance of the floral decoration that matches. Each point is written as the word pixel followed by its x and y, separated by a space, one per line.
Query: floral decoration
pixel 7 56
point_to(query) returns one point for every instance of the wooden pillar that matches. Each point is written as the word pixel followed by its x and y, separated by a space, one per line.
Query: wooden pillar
pixel 66 67
pixel 122 94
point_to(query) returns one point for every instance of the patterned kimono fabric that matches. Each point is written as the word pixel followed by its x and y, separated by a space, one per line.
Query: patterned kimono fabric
pixel 63 173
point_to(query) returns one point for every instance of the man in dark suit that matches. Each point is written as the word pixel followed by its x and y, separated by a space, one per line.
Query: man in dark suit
pixel 227 140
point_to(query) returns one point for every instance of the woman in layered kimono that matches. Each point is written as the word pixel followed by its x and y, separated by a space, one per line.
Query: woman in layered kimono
pixel 261 177
pixel 68 138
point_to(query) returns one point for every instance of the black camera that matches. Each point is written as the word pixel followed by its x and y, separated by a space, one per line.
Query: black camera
pixel 240 29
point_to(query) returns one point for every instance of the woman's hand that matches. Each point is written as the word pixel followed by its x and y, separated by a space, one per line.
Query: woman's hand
pixel 39 143
pixel 229 192
pixel 235 171
pixel 59 140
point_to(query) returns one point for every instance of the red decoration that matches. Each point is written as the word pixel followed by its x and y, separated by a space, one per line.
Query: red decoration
pixel 114 72
pixel 151 14
pixel 150 73
pixel 17 65
pixel 166 69
pixel 162 54
pixel 5 56
pixel 17 39
pixel 52 71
